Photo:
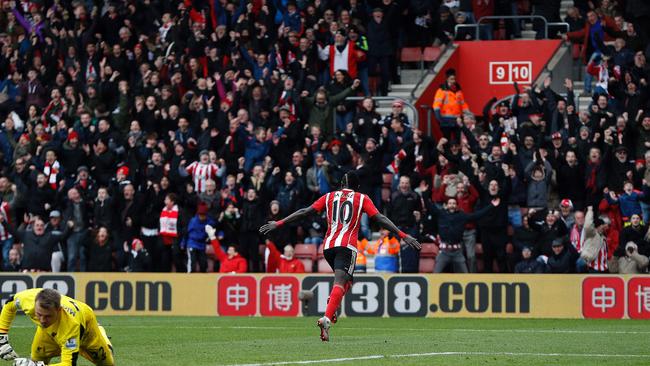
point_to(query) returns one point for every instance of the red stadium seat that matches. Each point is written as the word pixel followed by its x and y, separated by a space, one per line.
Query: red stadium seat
pixel 387 179
pixel 308 263
pixel 411 54
pixel 323 266
pixel 429 250
pixel 305 251
pixel 431 54
pixel 427 265
pixel 576 49
pixel 385 194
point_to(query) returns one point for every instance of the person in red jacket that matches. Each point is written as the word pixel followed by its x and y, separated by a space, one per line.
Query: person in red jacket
pixel 231 262
pixel 286 263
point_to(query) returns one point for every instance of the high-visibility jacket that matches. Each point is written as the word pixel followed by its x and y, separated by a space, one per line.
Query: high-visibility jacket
pixel 361 263
pixel 449 103
pixel 384 246
pixel 386 251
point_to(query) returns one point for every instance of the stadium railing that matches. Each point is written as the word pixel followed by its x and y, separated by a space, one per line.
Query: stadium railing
pixel 545 22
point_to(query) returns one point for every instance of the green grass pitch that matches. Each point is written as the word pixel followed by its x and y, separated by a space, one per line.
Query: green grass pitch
pixel 212 341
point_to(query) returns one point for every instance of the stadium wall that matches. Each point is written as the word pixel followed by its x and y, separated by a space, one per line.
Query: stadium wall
pixel 475 296
pixel 488 69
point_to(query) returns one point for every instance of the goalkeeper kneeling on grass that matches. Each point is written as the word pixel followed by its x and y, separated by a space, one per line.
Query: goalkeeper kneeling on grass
pixel 66 328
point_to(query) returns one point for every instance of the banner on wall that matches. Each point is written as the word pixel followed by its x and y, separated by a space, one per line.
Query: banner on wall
pixel 444 295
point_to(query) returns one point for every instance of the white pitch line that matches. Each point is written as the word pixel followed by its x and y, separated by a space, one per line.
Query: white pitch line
pixel 436 354
pixel 460 330
pixel 330 360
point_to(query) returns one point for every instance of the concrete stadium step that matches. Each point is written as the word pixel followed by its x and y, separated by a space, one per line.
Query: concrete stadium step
pixel 403 94
pixel 403 87
pixel 528 34
pixel 411 76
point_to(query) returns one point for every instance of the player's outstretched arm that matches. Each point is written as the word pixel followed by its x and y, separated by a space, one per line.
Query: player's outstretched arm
pixel 296 216
pixel 385 222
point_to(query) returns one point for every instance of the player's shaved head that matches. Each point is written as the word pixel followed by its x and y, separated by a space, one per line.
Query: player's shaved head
pixel 350 180
pixel 48 299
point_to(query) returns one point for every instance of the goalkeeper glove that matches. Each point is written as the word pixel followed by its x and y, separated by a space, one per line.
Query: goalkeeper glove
pixel 27 362
pixel 7 353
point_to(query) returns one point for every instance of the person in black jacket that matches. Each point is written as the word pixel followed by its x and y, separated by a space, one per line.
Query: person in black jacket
pixel 38 245
pixel 57 226
pixel 380 48
pixel 252 218
pixel 549 226
pixel 100 252
pixel 40 197
pixel 563 259
pixel 494 228
pixel 404 204
pixel 528 263
pixel 451 225
pixel 129 208
pixel 103 162
pixel 78 213
pixel 137 257
pixel 570 178
pixel 103 209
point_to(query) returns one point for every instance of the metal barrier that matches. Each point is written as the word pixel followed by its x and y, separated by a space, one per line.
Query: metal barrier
pixel 407 104
pixel 429 115
pixel 477 25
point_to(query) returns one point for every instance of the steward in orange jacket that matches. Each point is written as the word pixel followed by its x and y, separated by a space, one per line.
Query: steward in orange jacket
pixel 449 103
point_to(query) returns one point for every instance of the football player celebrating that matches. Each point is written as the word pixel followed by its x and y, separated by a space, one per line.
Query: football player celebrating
pixel 344 208
pixel 66 328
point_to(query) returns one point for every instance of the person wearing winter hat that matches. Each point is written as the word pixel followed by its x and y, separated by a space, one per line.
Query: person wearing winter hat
pixel 138 259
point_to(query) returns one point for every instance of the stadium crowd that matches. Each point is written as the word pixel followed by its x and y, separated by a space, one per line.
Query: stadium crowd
pixel 154 135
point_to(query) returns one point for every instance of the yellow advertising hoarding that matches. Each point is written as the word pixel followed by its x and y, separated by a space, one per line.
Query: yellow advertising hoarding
pixel 443 295
pixel 505 296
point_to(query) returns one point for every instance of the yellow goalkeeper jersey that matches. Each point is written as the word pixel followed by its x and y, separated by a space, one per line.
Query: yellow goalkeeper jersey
pixel 75 329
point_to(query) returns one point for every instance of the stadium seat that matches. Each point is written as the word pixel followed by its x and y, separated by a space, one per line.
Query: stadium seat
pixel 411 54
pixel 305 251
pixel 427 265
pixel 262 250
pixel 385 194
pixel 429 250
pixel 387 179
pixel 323 266
pixel 308 263
pixel 431 54
pixel 575 51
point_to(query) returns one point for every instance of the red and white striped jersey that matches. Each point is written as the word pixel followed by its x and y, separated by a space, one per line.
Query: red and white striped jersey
pixel 600 263
pixel 577 239
pixel 4 212
pixel 201 173
pixel 344 209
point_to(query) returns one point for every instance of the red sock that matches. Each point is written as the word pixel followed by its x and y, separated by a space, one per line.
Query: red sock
pixel 335 300
pixel 347 286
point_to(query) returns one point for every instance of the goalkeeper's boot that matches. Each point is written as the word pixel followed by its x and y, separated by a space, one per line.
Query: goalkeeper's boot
pixel 324 325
